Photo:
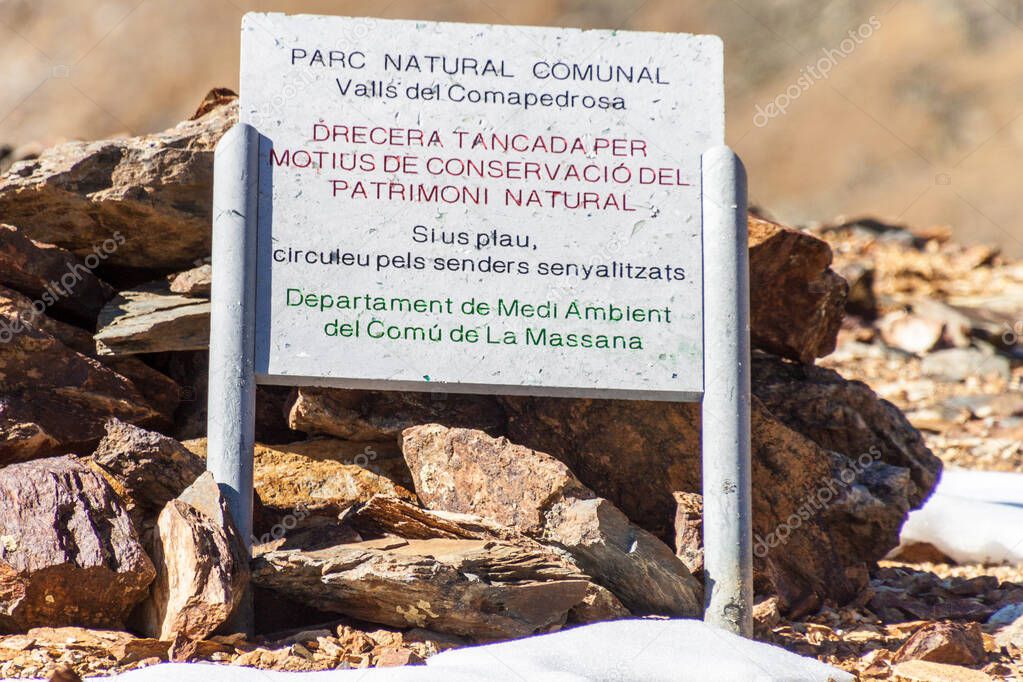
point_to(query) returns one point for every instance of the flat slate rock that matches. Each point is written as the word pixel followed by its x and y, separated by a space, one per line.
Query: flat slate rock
pixel 152 319
pixel 483 589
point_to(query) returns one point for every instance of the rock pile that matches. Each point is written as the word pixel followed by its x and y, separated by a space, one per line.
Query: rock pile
pixel 445 519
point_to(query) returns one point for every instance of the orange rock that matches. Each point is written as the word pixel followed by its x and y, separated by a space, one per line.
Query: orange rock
pixel 956 643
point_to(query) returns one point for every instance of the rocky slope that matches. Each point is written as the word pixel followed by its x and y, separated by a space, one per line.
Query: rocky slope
pixel 390 526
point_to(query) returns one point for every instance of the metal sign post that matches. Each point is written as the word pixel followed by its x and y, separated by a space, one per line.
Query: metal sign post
pixel 231 409
pixel 727 509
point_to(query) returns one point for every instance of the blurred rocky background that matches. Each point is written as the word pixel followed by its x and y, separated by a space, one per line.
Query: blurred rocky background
pixel 918 121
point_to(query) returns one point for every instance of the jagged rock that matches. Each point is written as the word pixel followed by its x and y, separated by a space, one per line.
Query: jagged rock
pixel 766 615
pixel 195 282
pixel 955 643
pixel 52 275
pixel 201 565
pixel 689 531
pixel 846 417
pixel 55 400
pixel 18 311
pixel 483 589
pixel 298 482
pixel 151 319
pixel 323 476
pixel 467 471
pixel 69 554
pixel 598 606
pixel 159 390
pixel 147 469
pixel 386 515
pixel 153 190
pixel 383 415
pixel 384 520
pixel 795 267
pixel 813 530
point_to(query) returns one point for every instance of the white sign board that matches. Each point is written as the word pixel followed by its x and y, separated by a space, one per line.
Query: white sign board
pixel 476 208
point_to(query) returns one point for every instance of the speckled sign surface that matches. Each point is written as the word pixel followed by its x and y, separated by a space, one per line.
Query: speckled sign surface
pixel 470 208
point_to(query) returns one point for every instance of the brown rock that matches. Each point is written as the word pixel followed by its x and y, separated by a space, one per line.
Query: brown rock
pixel 848 417
pixel 291 476
pixel 195 282
pixel 598 606
pixel 637 454
pixel 52 275
pixel 148 469
pixel 387 516
pixel 300 482
pixel 153 192
pixel 926 671
pixel 215 98
pixel 69 554
pixel 17 311
pixel 689 531
pixel 919 552
pixel 201 566
pixel 65 673
pixel 151 319
pixel 157 389
pixel 388 522
pixel 390 658
pixel 383 415
pixel 466 471
pixel 55 400
pixel 124 648
pixel 484 589
pixel 795 267
pixel 766 615
pixel 956 643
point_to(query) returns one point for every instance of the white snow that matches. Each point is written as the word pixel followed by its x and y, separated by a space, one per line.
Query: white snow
pixel 988 486
pixel 972 517
pixel 622 651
